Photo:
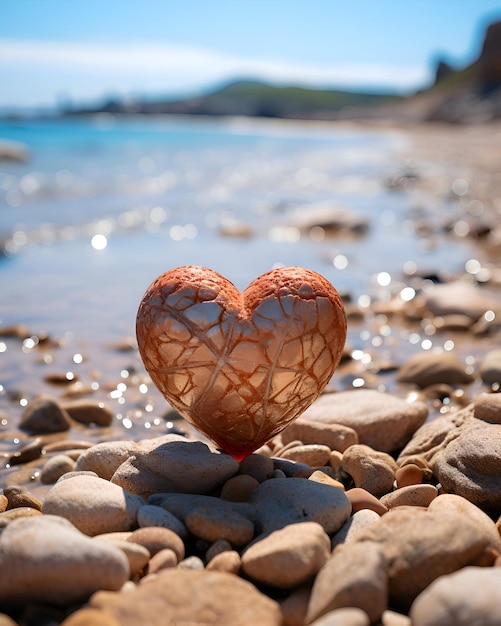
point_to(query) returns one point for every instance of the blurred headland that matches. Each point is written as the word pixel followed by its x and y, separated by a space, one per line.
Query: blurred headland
pixel 466 95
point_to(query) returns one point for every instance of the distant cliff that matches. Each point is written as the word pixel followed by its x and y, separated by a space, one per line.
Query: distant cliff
pixel 255 99
pixel 471 94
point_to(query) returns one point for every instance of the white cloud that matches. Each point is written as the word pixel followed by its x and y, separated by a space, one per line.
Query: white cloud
pixel 170 68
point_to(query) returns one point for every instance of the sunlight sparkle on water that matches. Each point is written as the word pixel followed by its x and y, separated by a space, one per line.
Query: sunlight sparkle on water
pixel 383 279
pixel 460 186
pixel 99 242
pixel 407 294
pixel 472 266
pixel 179 232
pixel 340 262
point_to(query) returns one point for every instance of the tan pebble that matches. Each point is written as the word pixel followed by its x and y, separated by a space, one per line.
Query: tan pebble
pixel 49 561
pixel 452 322
pixel 469 596
pixel 219 546
pixel 382 421
pixel 60 378
pixel 349 616
pixel 115 536
pixel 238 488
pixel 353 526
pixel 4 503
pixel 144 580
pixel 93 505
pixel 73 454
pixel 280 449
pixel 174 464
pixel 312 454
pixel 228 561
pixel 90 617
pixel 295 605
pixel 487 407
pixel 470 465
pixel 137 555
pixel 87 412
pixel 392 618
pixel 420 462
pixel 437 392
pixel 421 545
pixel 362 499
pixel 191 562
pixel 161 560
pixel 69 475
pixel 409 474
pixel 156 539
pixel 55 467
pixel 321 477
pixel 211 523
pixel 259 466
pixel 28 452
pixel 428 368
pixel 16 330
pixel 20 497
pixel 128 586
pixel 412 495
pixel 335 459
pixel 45 415
pixel 371 470
pixel 354 576
pixel 182 597
pixel 106 457
pixel 490 367
pixel 454 503
pixel 334 436
pixel 287 557
pixel 22 511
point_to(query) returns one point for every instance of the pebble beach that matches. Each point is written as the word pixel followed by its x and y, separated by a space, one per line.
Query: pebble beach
pixel 380 504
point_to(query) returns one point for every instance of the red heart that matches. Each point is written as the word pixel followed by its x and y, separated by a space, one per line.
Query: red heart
pixel 240 366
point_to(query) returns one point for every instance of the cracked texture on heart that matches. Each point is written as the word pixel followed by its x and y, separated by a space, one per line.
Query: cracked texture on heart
pixel 240 366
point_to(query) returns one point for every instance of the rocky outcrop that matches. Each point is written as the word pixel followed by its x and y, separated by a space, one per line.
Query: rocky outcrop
pixel 489 62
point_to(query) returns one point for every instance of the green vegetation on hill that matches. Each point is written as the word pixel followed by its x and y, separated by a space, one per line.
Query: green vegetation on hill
pixel 271 100
pixel 255 99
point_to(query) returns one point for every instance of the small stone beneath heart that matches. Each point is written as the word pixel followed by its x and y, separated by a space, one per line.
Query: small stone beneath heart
pixel 240 366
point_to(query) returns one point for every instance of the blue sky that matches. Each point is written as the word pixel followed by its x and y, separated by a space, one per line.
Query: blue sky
pixel 87 50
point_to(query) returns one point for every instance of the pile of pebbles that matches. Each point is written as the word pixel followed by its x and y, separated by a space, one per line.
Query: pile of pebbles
pixel 363 511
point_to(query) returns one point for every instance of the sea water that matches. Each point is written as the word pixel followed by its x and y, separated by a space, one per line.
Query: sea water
pixel 103 205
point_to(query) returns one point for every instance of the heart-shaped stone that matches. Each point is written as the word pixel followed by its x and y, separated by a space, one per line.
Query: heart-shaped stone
pixel 240 366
